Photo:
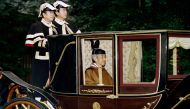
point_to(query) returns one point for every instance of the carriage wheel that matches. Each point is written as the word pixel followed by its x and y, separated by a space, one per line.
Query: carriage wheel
pixel 24 103
pixel 14 92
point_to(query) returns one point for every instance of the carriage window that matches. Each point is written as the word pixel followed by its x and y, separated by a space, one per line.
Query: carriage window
pixel 97 62
pixel 179 56
pixel 139 61
pixel 179 61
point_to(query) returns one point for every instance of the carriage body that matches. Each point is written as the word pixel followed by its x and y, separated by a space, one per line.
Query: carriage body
pixel 137 61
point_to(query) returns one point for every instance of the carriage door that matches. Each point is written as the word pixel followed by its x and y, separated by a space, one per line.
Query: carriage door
pixel 96 71
pixel 138 70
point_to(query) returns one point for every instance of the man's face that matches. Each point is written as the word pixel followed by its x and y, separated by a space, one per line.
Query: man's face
pixel 101 60
pixel 62 13
pixel 48 16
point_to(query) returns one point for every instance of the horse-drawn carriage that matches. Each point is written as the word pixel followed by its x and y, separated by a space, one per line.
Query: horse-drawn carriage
pixel 137 62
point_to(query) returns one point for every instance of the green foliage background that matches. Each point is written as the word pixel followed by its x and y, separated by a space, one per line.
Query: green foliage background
pixel 149 60
pixel 16 16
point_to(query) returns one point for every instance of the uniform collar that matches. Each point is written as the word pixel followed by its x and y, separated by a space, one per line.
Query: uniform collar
pixel 61 22
pixel 48 24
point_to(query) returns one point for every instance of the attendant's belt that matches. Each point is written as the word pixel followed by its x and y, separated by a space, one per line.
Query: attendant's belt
pixel 38 56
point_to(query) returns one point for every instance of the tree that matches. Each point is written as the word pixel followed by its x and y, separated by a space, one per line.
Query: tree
pixel 90 15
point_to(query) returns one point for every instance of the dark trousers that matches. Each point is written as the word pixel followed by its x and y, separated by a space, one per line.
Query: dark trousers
pixel 40 73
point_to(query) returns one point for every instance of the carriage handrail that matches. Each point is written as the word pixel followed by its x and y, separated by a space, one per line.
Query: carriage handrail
pixel 181 99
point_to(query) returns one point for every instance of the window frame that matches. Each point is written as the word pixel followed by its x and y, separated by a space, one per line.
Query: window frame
pixel 144 87
pixel 93 90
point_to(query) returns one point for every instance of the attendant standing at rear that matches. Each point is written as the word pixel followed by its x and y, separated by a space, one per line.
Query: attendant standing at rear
pixel 37 40
pixel 62 26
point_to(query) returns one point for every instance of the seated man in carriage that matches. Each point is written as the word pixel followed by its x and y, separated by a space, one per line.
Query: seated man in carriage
pixel 96 74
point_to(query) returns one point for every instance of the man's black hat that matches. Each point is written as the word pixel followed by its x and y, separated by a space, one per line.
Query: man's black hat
pixel 95 47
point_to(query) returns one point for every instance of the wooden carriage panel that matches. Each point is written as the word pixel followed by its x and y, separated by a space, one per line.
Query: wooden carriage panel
pixel 138 102
pixel 67 101
pixel 87 102
pixel 63 63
